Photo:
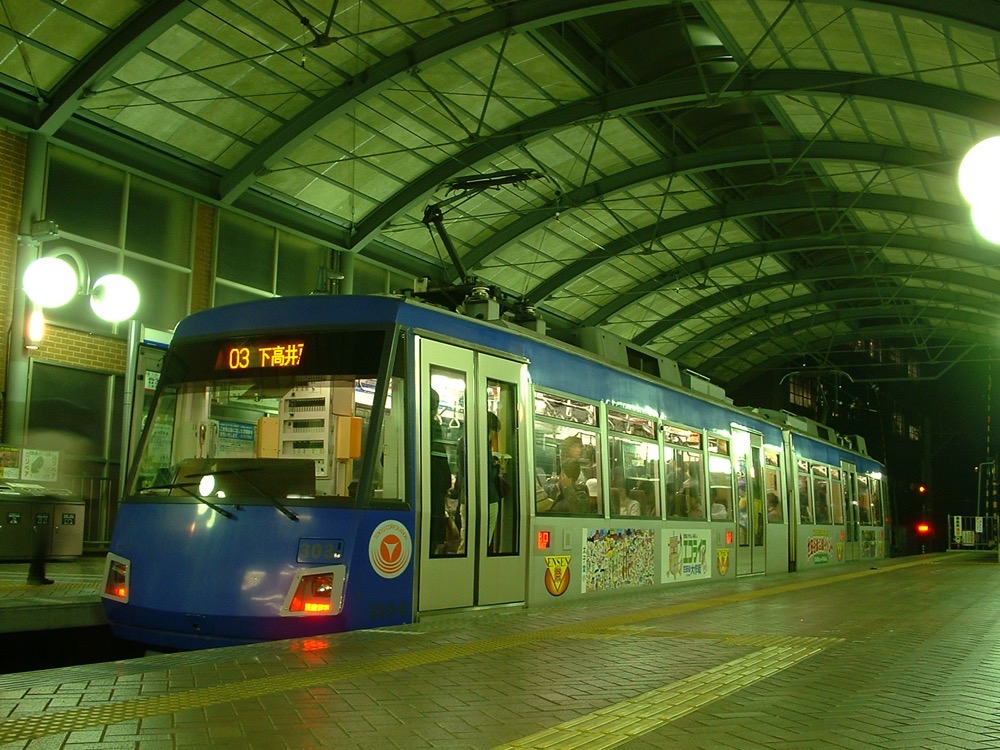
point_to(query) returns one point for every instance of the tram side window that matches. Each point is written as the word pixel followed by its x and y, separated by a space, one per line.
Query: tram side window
pixel 772 487
pixel 720 481
pixel 864 501
pixel 836 497
pixel 635 468
pixel 821 493
pixel 876 514
pixel 567 459
pixel 684 472
pixel 387 477
pixel 805 505
pixel 503 499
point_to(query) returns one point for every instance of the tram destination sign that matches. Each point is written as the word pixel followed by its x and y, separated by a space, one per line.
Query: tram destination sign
pixel 265 355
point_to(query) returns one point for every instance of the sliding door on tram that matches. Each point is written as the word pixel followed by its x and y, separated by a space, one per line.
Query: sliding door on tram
pixel 472 508
pixel 852 518
pixel 750 539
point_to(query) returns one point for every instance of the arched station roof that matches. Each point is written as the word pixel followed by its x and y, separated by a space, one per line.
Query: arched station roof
pixel 744 186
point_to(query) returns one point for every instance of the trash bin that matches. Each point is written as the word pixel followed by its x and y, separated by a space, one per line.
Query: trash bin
pixel 57 513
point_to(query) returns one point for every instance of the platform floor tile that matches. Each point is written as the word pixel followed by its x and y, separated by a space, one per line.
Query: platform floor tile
pixel 905 654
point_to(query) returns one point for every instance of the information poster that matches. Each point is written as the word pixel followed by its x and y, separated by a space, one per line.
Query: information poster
pixel 10 462
pixel 40 466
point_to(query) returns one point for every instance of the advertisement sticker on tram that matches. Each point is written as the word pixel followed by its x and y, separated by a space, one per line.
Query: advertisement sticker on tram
pixel 687 555
pixel 557 573
pixel 618 558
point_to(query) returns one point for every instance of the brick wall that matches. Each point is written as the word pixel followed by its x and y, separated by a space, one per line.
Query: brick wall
pixel 13 152
pixel 79 349
pixel 201 270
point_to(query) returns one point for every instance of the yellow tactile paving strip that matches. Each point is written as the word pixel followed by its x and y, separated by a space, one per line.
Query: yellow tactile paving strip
pixel 731 676
pixel 615 725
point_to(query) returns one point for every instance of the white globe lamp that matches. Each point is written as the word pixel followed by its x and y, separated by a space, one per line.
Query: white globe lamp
pixel 979 173
pixel 50 282
pixel 986 221
pixel 114 298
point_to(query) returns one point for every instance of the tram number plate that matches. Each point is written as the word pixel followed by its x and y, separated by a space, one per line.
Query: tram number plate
pixel 320 550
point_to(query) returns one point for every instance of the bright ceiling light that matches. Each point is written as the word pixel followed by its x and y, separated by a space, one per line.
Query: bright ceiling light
pixel 986 220
pixel 114 298
pixel 979 173
pixel 50 282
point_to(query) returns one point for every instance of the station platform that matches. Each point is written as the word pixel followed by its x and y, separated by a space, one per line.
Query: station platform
pixel 902 654
pixel 72 601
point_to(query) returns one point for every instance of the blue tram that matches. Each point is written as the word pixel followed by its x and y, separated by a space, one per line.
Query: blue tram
pixel 329 463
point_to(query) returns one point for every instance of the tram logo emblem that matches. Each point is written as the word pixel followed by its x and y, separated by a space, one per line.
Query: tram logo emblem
pixel 390 549
pixel 557 573
pixel 722 560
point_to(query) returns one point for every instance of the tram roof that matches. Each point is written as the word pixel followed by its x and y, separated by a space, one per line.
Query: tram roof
pixel 743 187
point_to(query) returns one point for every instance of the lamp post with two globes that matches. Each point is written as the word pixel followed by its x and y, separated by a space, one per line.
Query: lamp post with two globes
pixel 52 281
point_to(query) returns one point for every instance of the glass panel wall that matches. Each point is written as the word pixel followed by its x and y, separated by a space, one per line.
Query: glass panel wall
pixel 117 222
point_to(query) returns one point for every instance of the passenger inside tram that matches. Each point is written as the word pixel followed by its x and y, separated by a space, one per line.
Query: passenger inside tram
pixel 695 507
pixel 822 506
pixel 687 501
pixel 720 509
pixel 564 491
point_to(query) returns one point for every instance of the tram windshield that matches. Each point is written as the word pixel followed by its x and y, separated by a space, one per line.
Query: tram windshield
pixel 280 420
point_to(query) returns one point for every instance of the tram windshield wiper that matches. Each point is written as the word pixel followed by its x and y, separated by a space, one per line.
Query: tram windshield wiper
pixel 239 474
pixel 185 487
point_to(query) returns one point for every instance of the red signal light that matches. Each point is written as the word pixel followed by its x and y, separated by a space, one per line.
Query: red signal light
pixel 923 528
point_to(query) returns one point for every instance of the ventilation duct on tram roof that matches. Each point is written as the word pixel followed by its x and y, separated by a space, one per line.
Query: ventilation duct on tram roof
pixel 786 419
pixel 857 443
pixel 700 384
pixel 623 353
pixel 810 427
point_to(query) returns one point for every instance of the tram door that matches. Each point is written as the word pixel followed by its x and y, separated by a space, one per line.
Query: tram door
pixel 750 551
pixel 473 517
pixel 852 531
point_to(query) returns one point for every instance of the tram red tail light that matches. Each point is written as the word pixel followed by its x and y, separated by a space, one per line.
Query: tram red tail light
pixel 116 579
pixel 313 595
pixel 315 591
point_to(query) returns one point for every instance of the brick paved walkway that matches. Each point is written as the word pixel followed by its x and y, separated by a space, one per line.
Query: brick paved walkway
pixel 903 656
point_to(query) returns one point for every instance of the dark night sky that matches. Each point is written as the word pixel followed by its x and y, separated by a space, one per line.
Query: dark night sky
pixel 959 407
